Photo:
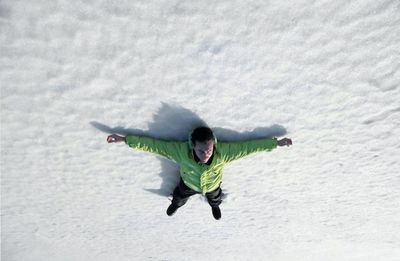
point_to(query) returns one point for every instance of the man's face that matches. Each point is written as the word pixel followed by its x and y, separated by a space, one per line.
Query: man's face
pixel 204 150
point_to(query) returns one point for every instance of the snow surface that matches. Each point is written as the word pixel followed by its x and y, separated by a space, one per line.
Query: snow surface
pixel 324 73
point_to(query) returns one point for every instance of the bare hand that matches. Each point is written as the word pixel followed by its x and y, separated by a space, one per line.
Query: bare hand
pixel 115 138
pixel 285 142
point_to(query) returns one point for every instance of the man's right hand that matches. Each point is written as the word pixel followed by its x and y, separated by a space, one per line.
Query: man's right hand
pixel 113 138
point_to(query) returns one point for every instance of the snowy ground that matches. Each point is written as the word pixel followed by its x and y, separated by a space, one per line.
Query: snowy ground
pixel 324 73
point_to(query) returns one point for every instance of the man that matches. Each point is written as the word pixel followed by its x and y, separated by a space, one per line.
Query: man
pixel 201 161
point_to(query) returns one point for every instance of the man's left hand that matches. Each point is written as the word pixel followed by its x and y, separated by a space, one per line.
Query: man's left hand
pixel 285 142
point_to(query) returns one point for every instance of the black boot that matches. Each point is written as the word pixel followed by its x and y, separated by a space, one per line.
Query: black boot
pixel 171 209
pixel 216 212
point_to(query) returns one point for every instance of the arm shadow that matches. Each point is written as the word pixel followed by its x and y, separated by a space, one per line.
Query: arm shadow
pixel 173 122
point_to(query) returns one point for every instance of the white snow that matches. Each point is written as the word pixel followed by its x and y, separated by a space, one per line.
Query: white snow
pixel 324 73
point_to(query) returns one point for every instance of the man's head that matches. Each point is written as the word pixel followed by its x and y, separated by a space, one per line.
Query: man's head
pixel 203 141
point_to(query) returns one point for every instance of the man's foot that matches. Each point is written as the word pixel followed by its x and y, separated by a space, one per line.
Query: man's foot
pixel 216 212
pixel 171 209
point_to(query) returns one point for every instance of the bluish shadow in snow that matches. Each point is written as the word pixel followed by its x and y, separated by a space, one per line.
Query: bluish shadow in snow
pixel 258 133
pixel 117 130
pixel 173 122
pixel 5 12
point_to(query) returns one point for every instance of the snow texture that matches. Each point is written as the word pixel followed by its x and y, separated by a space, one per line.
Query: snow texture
pixel 324 73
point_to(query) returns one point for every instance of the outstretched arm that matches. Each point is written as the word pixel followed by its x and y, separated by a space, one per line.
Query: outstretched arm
pixel 172 150
pixel 236 150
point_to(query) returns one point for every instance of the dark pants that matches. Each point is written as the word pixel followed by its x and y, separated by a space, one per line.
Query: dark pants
pixel 183 192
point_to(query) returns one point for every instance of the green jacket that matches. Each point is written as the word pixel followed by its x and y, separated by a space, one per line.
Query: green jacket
pixel 198 176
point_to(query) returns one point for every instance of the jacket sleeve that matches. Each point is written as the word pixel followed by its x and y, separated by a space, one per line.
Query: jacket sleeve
pixel 172 150
pixel 236 150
